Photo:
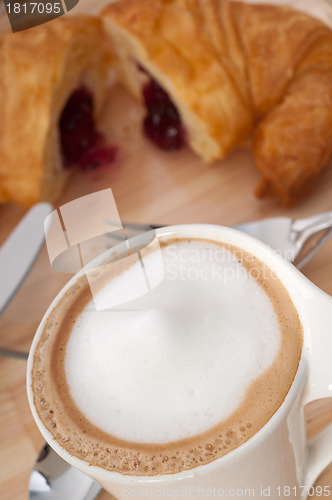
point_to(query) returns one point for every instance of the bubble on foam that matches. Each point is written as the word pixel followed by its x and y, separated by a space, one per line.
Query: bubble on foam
pixel 149 371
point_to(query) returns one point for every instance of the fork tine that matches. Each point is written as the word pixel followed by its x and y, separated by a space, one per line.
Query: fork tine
pixel 306 256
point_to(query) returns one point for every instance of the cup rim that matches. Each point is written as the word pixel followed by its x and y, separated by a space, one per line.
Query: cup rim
pixel 285 271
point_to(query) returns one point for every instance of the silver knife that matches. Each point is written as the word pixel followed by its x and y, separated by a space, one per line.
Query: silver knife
pixel 20 250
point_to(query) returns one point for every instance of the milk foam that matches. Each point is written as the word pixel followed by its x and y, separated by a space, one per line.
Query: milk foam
pixel 179 359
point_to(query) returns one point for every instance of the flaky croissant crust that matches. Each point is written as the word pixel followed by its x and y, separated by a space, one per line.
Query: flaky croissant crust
pixel 236 70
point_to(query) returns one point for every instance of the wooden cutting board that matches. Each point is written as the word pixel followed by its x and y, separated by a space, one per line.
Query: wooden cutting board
pixel 149 186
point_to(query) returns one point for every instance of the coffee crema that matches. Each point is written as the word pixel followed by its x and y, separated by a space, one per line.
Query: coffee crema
pixel 177 377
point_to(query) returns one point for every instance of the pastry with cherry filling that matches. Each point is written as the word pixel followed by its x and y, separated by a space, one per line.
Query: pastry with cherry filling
pixel 167 61
pixel 215 73
pixel 51 92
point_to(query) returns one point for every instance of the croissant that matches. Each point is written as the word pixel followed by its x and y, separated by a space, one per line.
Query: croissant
pixel 44 69
pixel 215 73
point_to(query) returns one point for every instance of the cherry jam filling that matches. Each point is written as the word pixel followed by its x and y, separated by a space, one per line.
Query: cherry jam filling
pixel 80 142
pixel 162 123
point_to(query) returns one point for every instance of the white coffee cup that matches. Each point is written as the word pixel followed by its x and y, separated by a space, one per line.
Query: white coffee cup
pixel 277 461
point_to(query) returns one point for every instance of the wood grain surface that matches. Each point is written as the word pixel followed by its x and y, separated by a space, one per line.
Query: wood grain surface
pixel 148 186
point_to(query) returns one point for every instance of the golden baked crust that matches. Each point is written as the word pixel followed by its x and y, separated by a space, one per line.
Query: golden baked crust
pixel 230 68
pixel 167 39
pixel 40 68
pixel 293 141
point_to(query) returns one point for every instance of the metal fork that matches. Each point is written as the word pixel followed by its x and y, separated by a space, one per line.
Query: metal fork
pixel 296 239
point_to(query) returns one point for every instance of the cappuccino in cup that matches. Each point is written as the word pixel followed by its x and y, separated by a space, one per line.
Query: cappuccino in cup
pixel 175 378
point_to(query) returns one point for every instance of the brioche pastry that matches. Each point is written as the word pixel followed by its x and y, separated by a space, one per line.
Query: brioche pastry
pixel 41 70
pixel 233 70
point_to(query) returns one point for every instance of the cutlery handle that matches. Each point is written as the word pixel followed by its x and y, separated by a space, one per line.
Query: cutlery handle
pixel 20 250
pixel 7 353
